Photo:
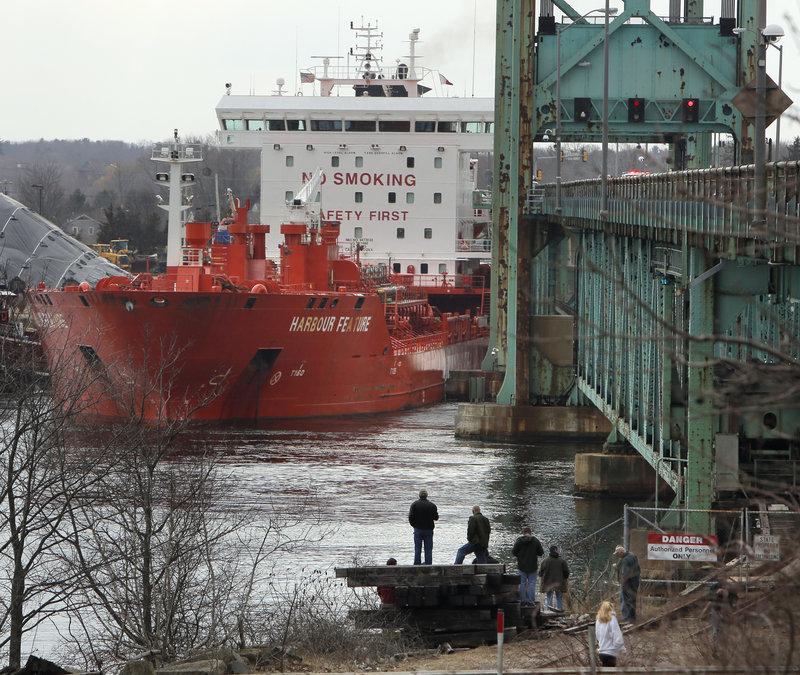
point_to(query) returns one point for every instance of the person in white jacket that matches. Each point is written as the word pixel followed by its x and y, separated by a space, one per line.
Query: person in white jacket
pixel 609 635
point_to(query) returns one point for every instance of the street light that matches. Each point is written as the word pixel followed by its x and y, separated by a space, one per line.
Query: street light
pixel 40 188
pixel 601 10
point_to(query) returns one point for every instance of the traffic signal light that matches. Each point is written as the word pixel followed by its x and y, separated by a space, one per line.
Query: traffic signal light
pixel 690 110
pixel 636 109
pixel 584 155
pixel 538 174
pixel 561 156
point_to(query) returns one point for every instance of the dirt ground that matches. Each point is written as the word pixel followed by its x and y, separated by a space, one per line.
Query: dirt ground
pixel 683 642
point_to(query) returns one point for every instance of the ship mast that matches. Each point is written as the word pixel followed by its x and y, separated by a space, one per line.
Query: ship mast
pixel 176 154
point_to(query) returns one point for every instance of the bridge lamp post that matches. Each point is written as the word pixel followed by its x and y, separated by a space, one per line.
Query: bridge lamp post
pixel 40 188
pixel 600 10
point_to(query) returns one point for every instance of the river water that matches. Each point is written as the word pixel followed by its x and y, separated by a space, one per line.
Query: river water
pixel 364 472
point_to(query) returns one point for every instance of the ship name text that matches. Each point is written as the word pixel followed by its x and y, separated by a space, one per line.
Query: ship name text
pixel 329 324
pixel 368 178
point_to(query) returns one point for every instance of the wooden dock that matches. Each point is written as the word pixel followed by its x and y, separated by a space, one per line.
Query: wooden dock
pixel 454 604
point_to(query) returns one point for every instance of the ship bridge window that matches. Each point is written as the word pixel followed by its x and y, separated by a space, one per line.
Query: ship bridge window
pixel 359 161
pixel 335 160
pixel 359 303
pixel 394 125
pixel 323 302
pixel 289 160
pixel 448 127
pixel 490 127
pixel 326 125
pixel 295 125
pixel 255 125
pixel 358 232
pixel 423 268
pixel 437 197
pixel 410 162
pixel 359 197
pixel 401 234
pixel 425 127
pixel 392 197
pixel 472 127
pixel 396 268
pixel 310 304
pixel 437 162
pixel 276 125
pixel 409 197
pixel 233 125
pixel 359 125
pixel 428 233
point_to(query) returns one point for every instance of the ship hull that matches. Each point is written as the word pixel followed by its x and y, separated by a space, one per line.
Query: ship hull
pixel 233 357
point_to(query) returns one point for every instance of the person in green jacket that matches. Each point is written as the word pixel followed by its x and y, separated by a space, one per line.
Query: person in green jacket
pixel 527 550
pixel 478 529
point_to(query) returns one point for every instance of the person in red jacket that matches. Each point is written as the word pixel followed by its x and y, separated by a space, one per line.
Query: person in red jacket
pixel 386 593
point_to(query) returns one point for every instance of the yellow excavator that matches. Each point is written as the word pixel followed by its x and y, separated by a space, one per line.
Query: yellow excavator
pixel 117 252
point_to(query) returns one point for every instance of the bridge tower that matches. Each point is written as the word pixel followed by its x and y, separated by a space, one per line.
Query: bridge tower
pixel 639 79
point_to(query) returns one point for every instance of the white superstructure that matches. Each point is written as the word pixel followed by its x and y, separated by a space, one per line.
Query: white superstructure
pixel 399 169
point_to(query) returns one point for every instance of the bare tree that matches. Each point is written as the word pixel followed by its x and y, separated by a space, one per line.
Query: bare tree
pixel 42 190
pixel 164 566
pixel 38 476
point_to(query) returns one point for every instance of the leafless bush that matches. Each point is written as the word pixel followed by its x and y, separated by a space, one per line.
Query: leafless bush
pixel 316 619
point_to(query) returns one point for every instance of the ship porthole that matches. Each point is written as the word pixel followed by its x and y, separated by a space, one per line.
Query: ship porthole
pixel 129 305
pixel 158 301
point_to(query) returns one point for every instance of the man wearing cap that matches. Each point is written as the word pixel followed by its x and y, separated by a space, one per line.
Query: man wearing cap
pixel 628 573
pixel 478 530
pixel 421 516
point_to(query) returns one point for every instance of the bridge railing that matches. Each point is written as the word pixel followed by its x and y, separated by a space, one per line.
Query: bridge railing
pixel 716 201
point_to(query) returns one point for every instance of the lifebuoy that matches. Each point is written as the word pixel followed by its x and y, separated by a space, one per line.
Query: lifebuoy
pixel 463 244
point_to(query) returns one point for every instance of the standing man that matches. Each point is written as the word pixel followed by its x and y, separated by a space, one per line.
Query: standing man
pixel 421 516
pixel 527 550
pixel 478 529
pixel 554 574
pixel 629 574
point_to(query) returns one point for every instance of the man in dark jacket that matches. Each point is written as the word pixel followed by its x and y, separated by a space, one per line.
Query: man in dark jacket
pixel 421 516
pixel 629 574
pixel 554 574
pixel 478 529
pixel 527 550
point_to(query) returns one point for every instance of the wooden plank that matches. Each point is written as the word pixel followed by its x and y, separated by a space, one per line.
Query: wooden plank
pixel 397 575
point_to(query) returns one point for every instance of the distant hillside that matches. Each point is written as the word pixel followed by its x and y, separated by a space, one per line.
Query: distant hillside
pixel 112 182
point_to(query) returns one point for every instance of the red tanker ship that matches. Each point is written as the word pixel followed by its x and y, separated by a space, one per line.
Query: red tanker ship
pixel 227 334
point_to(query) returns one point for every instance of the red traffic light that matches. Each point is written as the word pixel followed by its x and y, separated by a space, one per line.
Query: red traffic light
pixel 690 110
pixel 636 108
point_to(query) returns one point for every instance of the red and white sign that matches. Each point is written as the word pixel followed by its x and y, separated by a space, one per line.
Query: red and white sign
pixel 681 547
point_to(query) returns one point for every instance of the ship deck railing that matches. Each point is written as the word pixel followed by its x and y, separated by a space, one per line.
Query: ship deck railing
pixel 418 343
pixel 464 283
pixel 192 257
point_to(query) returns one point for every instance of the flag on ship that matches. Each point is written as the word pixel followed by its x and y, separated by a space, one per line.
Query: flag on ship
pixel 444 80
pixel 306 78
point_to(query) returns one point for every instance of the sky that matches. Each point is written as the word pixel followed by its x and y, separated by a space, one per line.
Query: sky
pixel 134 71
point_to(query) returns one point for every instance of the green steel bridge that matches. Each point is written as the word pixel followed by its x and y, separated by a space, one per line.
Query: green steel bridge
pixel 678 291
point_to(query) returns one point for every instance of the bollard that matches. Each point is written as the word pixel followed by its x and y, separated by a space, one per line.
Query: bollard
pixel 500 635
